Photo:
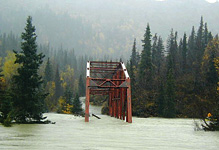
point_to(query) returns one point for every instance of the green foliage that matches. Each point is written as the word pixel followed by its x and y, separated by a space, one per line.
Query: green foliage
pixel 81 87
pixel 48 72
pixel 77 106
pixel 145 66
pixel 28 97
pixel 184 54
pixel 58 87
pixel 184 80
pixel 161 101
pixel 169 110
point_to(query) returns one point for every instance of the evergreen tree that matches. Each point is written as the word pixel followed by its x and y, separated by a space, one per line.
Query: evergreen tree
pixel 132 76
pixel 68 95
pixel 161 101
pixel 172 51
pixel 145 66
pixel 199 51
pixel 160 55
pixel 48 72
pixel 77 106
pixel 132 66
pixel 81 86
pixel 200 43
pixel 184 53
pixel 191 49
pixel 134 54
pixel 206 40
pixel 58 87
pixel 170 111
pixel 28 98
pixel 154 50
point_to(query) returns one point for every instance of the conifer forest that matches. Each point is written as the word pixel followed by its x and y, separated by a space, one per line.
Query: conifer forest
pixel 173 75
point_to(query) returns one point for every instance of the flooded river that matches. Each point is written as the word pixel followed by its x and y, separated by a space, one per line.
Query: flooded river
pixel 107 133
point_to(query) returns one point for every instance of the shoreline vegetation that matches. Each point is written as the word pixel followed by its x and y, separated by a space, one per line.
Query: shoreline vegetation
pixel 177 78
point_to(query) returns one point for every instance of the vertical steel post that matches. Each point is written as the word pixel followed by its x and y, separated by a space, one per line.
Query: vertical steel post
pixel 110 104
pixel 87 100
pixel 123 102
pixel 121 98
pixel 129 104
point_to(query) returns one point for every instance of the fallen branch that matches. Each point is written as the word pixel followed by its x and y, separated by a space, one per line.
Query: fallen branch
pixel 96 116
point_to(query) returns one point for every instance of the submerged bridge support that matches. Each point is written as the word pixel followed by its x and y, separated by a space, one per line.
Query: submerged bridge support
pixel 112 79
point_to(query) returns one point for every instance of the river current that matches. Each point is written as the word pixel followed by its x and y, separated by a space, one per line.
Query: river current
pixel 107 133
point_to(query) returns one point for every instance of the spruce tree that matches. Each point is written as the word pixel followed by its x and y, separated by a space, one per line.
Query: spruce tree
pixel 170 110
pixel 145 66
pixel 161 100
pixel 191 50
pixel 77 106
pixel 184 53
pixel 48 72
pixel 58 87
pixel 134 54
pixel 81 86
pixel 160 55
pixel 133 65
pixel 132 76
pixel 28 97
pixel 172 51
pixel 206 40
pixel 154 50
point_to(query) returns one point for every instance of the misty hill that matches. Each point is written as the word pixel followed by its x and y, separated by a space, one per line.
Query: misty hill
pixel 100 27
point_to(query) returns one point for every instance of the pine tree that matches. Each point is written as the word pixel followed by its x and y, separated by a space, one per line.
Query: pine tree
pixel 132 66
pixel 200 43
pixel 199 51
pixel 134 54
pixel 154 50
pixel 58 87
pixel 160 55
pixel 161 101
pixel 184 53
pixel 28 98
pixel 206 40
pixel 145 66
pixel 132 76
pixel 77 106
pixel 172 51
pixel 170 110
pixel 68 95
pixel 48 72
pixel 191 50
pixel 81 87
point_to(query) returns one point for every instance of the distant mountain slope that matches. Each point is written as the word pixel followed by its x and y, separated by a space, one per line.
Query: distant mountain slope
pixel 105 26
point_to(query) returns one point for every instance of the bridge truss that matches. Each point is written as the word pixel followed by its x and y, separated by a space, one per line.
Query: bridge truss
pixel 112 79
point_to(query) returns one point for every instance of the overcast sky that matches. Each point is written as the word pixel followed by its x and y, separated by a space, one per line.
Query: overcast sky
pixel 212 1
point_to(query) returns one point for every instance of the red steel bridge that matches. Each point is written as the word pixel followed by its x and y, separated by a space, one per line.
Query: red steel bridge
pixel 112 79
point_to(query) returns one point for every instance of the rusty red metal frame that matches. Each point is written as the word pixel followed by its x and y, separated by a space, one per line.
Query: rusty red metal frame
pixel 115 83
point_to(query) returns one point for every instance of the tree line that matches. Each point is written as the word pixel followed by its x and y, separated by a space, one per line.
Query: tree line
pixel 175 79
pixel 179 79
pixel 36 79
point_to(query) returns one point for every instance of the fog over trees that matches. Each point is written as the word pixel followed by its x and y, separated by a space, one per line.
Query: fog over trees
pixel 104 27
pixel 170 49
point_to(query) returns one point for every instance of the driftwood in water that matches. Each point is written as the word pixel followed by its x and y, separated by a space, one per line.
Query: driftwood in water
pixel 96 116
